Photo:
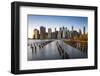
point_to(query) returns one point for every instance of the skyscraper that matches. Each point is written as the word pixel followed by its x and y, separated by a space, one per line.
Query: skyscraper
pixel 60 29
pixel 64 33
pixel 59 34
pixel 49 33
pixel 80 32
pixel 72 28
pixel 72 32
pixel 55 29
pixel 42 32
pixel 84 30
pixel 36 34
pixel 68 34
pixel 56 33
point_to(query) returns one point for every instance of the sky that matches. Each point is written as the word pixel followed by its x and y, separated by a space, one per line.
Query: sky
pixel 48 21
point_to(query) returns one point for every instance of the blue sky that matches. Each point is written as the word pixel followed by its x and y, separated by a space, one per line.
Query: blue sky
pixel 35 21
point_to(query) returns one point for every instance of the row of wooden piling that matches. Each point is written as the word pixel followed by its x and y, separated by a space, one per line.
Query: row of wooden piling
pixel 61 51
pixel 34 46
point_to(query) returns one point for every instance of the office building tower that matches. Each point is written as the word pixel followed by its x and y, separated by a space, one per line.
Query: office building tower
pixel 56 33
pixel 59 35
pixel 64 33
pixel 49 33
pixel 80 32
pixel 42 32
pixel 84 30
pixel 53 35
pixel 72 32
pixel 72 28
pixel 36 34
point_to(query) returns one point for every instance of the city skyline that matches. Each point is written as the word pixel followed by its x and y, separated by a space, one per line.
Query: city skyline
pixel 62 33
pixel 36 21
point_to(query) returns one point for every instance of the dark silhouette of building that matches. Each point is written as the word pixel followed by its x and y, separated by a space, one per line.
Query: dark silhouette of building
pixel 42 32
pixel 72 32
pixel 56 33
pixel 36 34
pixel 75 34
pixel 80 32
pixel 84 30
pixel 72 28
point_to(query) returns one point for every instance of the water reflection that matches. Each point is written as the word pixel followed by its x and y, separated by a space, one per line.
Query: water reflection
pixel 52 49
